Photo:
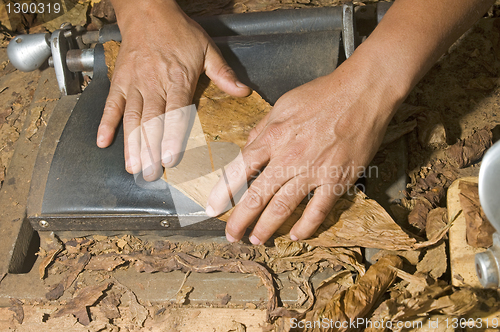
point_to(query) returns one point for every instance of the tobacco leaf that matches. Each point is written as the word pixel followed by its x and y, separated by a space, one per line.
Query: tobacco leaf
pixel 414 283
pixel 184 262
pixel 182 294
pixel 434 262
pixel 76 268
pixel 357 221
pixel 138 314
pixel 104 10
pixel 397 131
pixel 48 251
pixel 111 49
pixel 412 256
pixel 109 305
pixel 85 298
pixel 418 216
pixel 16 306
pixel 406 110
pixel 467 151
pixel 107 262
pixel 478 229
pixel 436 220
pixel 35 121
pixel 436 299
pixel 357 300
pixel 224 298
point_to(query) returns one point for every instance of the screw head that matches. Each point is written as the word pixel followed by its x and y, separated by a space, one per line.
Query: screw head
pixel 165 223
pixel 43 223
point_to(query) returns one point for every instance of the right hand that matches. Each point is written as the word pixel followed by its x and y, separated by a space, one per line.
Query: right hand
pixel 162 55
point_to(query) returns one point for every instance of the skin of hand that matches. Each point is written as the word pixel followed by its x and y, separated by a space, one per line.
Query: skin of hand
pixel 162 55
pixel 336 121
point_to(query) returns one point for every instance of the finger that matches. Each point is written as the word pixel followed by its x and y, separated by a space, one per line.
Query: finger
pixel 255 132
pixel 279 209
pixel 236 175
pixel 177 119
pixel 111 117
pixel 254 201
pixel 132 131
pixel 223 76
pixel 152 122
pixel 315 213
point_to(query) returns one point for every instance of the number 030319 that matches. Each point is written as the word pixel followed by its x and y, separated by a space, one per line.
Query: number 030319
pixel 33 8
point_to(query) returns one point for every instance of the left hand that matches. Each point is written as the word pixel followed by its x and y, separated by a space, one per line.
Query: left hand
pixel 317 138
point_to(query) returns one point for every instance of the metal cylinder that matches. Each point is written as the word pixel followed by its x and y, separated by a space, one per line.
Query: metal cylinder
pixel 488 264
pixel 29 52
pixel 80 60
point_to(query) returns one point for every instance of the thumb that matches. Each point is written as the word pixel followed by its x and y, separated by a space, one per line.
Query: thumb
pixel 217 69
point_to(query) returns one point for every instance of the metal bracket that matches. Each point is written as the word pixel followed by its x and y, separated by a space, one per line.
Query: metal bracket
pixel 348 29
pixel 68 81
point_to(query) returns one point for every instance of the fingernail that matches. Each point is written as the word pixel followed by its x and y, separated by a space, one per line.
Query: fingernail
pixel 167 158
pixel 230 238
pixel 254 240
pixel 210 211
pixel 100 138
pixel 147 172
pixel 131 162
pixel 240 85
pixel 293 237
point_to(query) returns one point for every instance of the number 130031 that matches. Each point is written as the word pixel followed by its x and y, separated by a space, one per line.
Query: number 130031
pixel 33 8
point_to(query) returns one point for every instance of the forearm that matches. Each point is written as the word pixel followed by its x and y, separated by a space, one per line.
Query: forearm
pixel 411 38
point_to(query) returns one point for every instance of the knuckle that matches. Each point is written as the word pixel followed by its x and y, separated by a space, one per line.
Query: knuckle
pixel 318 214
pixel 175 116
pixel 131 117
pixel 112 106
pixel 253 199
pixel 280 208
pixel 275 132
pixel 151 122
pixel 293 154
pixel 225 70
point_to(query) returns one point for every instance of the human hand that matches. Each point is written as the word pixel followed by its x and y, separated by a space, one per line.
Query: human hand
pixel 162 55
pixel 317 138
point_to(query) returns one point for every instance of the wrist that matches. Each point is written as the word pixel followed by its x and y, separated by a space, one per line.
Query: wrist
pixel 130 11
pixel 372 79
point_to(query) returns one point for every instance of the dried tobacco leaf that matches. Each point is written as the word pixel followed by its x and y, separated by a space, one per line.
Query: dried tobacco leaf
pixel 111 49
pixel 224 298
pixel 394 132
pixel 138 314
pixel 467 151
pixel 17 308
pixel 106 262
pixel 358 221
pixel 49 249
pixel 436 220
pixel 109 305
pixel 76 268
pixel 357 301
pixel 85 298
pixel 182 294
pixel 434 262
pixel 479 231
pixel 435 299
